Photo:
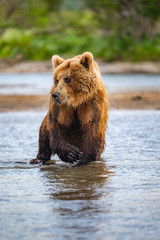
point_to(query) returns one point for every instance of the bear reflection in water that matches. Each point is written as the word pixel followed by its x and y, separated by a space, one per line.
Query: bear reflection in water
pixel 83 183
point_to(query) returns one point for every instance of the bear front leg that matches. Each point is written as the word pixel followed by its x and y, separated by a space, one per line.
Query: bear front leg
pixel 60 146
pixel 91 144
pixel 44 152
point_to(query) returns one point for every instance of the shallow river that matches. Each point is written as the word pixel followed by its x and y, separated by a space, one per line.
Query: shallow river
pixel 117 197
pixel 41 83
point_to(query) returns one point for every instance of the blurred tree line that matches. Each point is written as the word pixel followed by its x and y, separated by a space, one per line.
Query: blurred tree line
pixel 112 29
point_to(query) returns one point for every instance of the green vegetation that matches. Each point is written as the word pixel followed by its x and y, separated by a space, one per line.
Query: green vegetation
pixel 111 29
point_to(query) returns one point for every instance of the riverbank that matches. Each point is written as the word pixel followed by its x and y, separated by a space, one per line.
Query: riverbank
pixel 105 68
pixel 147 100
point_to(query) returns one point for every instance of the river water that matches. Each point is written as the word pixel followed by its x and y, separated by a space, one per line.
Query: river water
pixel 40 83
pixel 115 198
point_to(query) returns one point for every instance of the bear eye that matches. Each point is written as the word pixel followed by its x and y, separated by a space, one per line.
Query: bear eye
pixel 67 80
pixel 56 81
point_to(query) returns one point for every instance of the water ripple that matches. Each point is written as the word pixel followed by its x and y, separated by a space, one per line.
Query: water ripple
pixel 116 197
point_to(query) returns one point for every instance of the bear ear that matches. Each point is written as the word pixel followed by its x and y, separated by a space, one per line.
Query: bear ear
pixel 56 60
pixel 86 59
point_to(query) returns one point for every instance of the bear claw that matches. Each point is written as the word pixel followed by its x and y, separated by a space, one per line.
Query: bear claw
pixel 72 155
pixel 75 154
pixel 35 161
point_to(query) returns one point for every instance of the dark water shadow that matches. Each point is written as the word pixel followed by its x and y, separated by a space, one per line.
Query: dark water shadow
pixel 79 197
pixel 77 183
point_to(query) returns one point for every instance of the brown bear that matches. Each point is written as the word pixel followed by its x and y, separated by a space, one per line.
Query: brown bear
pixel 74 127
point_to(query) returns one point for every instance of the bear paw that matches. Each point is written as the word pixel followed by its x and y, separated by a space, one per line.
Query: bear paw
pixel 75 155
pixel 72 155
pixel 35 161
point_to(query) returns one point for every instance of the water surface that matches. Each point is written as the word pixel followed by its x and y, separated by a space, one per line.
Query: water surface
pixel 41 83
pixel 116 197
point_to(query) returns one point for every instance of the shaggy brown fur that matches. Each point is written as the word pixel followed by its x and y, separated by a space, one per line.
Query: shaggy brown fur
pixel 74 127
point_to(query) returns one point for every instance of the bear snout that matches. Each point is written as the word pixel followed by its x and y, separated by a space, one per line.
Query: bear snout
pixel 55 96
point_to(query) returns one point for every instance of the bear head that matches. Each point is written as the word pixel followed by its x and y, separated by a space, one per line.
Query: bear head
pixel 75 80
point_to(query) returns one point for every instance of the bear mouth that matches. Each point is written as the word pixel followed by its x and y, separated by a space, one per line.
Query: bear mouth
pixel 63 101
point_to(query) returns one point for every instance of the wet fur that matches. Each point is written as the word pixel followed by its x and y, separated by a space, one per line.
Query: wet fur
pixel 75 130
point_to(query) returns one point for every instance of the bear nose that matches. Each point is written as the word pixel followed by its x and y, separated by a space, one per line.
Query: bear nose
pixel 55 96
